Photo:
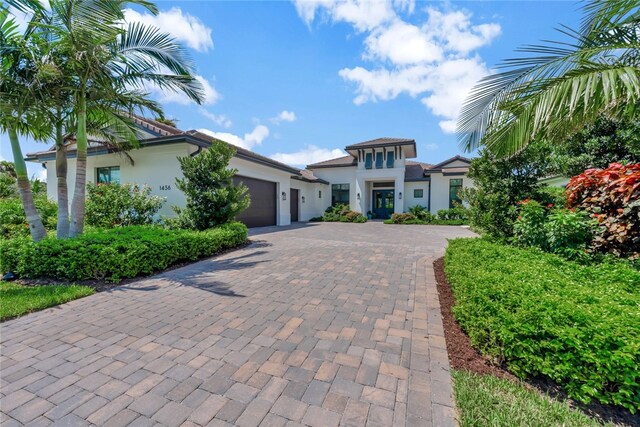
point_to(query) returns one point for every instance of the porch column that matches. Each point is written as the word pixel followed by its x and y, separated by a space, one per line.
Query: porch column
pixel 361 189
pixel 398 205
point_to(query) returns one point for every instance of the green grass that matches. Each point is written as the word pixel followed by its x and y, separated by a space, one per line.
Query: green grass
pixel 17 300
pixel 485 400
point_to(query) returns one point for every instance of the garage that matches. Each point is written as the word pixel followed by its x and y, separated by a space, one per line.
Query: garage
pixel 263 209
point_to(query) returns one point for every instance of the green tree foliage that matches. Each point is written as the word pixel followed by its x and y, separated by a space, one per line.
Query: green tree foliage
pixel 501 183
pixel 212 197
pixel 597 146
pixel 115 205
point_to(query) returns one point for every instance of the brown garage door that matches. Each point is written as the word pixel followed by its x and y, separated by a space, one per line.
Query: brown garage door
pixel 262 211
pixel 294 205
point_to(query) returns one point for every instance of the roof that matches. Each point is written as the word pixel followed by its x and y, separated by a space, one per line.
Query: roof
pixel 308 176
pixel 414 171
pixel 156 133
pixel 335 163
pixel 383 142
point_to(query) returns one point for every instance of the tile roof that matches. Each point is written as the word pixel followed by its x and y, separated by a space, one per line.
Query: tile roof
pixel 339 162
pixel 414 171
pixel 307 175
pixel 381 142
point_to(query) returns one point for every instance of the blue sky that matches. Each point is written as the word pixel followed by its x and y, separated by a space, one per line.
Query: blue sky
pixel 298 81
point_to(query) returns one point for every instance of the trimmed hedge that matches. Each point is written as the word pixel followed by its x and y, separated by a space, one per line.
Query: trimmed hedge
pixel 545 316
pixel 115 254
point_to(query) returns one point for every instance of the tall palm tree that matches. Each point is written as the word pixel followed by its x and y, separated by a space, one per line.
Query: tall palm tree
pixel 562 86
pixel 19 81
pixel 106 60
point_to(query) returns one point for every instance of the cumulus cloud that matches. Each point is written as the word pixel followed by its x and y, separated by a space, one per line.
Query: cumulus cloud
pixel 306 156
pixel 434 60
pixel 182 26
pixel 248 141
pixel 285 116
pixel 219 119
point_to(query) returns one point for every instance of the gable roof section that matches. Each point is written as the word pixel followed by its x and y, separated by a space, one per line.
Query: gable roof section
pixel 344 161
pixel 414 171
pixel 384 142
pixel 454 170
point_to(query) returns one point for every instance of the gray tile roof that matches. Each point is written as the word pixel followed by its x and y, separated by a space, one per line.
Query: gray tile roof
pixel 380 142
pixel 414 171
pixel 332 163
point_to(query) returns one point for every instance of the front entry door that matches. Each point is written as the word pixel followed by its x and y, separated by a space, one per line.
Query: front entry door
pixel 383 203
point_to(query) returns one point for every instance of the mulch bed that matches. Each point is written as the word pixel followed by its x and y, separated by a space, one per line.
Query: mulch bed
pixel 462 356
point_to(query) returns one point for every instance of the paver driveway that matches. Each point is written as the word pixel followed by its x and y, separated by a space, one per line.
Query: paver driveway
pixel 325 324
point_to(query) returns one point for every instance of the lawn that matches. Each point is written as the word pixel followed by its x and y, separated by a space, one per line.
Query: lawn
pixel 17 300
pixel 485 400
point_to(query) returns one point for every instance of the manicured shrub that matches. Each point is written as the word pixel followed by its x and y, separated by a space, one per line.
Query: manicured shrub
pixel 212 197
pixel 403 218
pixel 542 315
pixel 115 205
pixel 612 196
pixel 457 213
pixel 421 213
pixel 116 253
pixel 13 222
pixel 342 213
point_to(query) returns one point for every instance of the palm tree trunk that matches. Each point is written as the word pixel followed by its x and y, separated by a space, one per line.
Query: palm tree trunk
pixel 24 187
pixel 63 191
pixel 78 203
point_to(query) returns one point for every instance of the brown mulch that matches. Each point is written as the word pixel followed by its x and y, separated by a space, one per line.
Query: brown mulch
pixel 462 356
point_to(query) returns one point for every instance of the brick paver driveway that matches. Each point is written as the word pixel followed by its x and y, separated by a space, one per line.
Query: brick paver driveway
pixel 318 325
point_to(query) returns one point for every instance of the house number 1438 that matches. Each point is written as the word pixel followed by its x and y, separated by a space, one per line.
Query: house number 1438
pixel 165 187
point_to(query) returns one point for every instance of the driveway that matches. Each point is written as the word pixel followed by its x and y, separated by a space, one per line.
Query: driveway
pixel 321 325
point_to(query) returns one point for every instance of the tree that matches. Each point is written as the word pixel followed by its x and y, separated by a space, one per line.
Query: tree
pixel 562 87
pixel 212 197
pixel 597 146
pixel 20 79
pixel 501 183
pixel 105 60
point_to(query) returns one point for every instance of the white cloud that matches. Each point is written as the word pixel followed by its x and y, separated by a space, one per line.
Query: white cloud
pixel 182 26
pixel 219 119
pixel 306 156
pixel 166 96
pixel 434 61
pixel 285 116
pixel 362 14
pixel 250 140
pixel 431 147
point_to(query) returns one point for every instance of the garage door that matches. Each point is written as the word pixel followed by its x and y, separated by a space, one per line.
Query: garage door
pixel 262 211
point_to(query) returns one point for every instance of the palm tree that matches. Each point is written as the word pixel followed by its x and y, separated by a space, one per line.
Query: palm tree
pixel 106 60
pixel 20 79
pixel 562 86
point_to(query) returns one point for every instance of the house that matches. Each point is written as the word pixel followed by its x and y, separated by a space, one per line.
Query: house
pixel 376 175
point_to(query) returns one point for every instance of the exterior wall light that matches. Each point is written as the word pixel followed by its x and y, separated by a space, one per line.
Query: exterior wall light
pixel 284 196
pixel 358 196
pixel 302 199
pixel 400 195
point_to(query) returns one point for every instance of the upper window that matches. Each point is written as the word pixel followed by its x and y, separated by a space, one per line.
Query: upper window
pixel 339 194
pixel 108 175
pixel 390 160
pixel 368 161
pixel 418 193
pixel 379 160
pixel 455 185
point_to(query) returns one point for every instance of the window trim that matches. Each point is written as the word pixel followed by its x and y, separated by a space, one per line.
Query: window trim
pixel 343 189
pixel 451 187
pixel 421 190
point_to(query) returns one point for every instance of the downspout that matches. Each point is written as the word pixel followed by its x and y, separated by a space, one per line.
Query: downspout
pixel 195 153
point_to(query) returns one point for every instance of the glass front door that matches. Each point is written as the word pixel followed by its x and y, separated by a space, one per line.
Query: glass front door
pixel 383 203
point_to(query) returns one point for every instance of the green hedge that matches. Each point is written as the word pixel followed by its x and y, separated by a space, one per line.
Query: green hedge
pixel 115 254
pixel 578 325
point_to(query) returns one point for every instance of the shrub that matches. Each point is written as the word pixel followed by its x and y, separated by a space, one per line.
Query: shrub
pixel 612 196
pixel 342 213
pixel 8 186
pixel 403 218
pixel 528 229
pixel 421 213
pixel 212 197
pixel 13 222
pixel 458 213
pixel 115 205
pixel 116 253
pixel 545 316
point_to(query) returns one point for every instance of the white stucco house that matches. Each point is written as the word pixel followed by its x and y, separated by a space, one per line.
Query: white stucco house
pixel 375 176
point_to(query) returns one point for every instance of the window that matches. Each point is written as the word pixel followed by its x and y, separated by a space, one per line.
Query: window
pixel 339 194
pixel 418 193
pixel 108 175
pixel 368 161
pixel 378 160
pixel 390 160
pixel 319 194
pixel 455 185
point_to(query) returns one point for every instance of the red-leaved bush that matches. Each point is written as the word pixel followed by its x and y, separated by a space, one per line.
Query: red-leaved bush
pixel 612 196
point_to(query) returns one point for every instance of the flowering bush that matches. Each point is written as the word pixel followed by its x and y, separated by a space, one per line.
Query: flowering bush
pixel 115 205
pixel 612 197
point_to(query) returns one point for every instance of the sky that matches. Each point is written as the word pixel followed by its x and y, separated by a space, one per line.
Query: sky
pixel 299 80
